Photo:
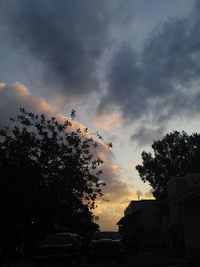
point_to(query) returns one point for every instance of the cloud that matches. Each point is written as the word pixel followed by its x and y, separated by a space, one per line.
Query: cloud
pixel 16 95
pixel 117 194
pixel 67 37
pixel 161 82
pixel 109 215
pixel 146 135
pixel 123 83
pixel 149 194
pixel 77 48
pixel 116 188
pixel 108 122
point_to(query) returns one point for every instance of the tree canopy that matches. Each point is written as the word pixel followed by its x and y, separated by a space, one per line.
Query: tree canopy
pixel 49 173
pixel 176 154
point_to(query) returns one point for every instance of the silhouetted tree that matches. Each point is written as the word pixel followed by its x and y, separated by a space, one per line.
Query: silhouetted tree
pixel 49 175
pixel 176 154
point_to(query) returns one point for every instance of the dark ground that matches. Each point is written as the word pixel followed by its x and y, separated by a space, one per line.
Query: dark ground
pixel 142 260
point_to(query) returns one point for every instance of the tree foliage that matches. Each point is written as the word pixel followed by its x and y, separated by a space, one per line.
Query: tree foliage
pixel 176 154
pixel 49 173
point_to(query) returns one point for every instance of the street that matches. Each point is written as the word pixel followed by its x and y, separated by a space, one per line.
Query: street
pixel 136 261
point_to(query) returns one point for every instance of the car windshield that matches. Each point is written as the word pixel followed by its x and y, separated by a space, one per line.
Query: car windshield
pixel 57 239
pixel 106 235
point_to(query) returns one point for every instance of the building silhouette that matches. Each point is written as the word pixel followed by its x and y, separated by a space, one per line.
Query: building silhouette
pixel 140 226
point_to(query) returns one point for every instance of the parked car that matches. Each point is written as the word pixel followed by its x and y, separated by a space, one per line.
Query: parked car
pixel 106 246
pixel 59 248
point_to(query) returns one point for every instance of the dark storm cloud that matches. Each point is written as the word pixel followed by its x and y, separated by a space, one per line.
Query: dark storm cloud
pixel 145 135
pixel 161 82
pixel 68 37
pixel 124 87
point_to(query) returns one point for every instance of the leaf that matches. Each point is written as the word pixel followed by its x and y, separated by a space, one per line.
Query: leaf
pixel 73 114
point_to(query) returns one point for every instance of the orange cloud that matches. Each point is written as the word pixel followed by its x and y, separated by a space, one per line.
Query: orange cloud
pixel 16 95
pixel 108 121
pixel 117 193
pixel 149 194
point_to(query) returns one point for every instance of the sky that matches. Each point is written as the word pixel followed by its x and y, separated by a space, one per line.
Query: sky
pixel 130 69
